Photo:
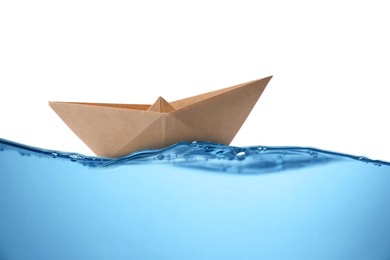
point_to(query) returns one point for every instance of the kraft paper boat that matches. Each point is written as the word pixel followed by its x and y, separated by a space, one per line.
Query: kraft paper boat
pixel 115 130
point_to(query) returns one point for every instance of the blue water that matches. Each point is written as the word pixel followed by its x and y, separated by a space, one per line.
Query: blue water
pixel 193 201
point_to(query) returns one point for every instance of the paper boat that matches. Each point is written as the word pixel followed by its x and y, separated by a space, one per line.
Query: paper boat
pixel 115 130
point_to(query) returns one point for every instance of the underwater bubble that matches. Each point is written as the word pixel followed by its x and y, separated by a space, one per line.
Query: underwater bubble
pixel 160 156
pixel 54 155
pixel 363 159
pixel 241 155
pixel 376 163
pixel 279 163
pixel 208 148
pixel 74 157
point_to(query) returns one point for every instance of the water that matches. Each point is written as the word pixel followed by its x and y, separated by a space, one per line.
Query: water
pixel 193 201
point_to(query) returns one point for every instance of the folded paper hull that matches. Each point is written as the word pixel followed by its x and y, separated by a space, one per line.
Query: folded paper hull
pixel 115 130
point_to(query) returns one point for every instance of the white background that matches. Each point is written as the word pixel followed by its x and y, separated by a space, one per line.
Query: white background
pixel 330 61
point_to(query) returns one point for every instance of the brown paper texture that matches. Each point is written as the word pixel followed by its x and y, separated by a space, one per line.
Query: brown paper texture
pixel 115 130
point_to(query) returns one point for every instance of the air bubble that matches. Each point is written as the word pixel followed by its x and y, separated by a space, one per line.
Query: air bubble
pixel 160 156
pixel 241 155
pixel 363 159
pixel 54 155
pixel 74 157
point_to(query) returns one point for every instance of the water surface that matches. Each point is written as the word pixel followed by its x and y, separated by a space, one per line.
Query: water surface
pixel 193 201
